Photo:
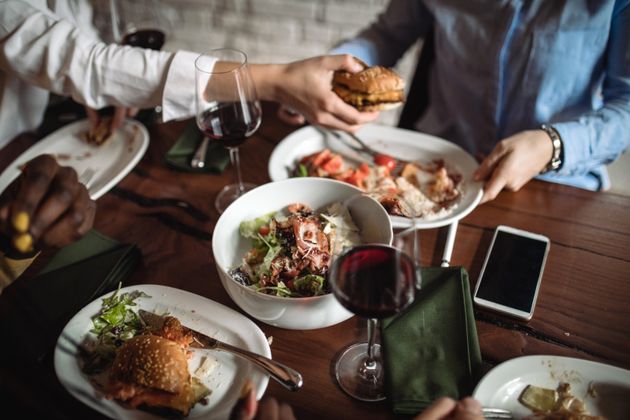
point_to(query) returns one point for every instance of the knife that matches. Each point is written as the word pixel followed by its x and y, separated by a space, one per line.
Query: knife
pixel 289 378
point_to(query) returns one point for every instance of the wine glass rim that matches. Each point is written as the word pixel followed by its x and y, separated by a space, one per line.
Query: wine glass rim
pixel 209 53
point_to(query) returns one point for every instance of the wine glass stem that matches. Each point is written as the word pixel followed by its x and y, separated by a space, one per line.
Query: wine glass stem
pixel 369 361
pixel 236 163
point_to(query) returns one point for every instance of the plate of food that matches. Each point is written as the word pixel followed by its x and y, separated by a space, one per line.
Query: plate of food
pixel 107 157
pixel 538 387
pixel 108 359
pixel 435 184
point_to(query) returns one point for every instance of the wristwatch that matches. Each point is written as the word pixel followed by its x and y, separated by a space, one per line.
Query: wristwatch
pixel 556 142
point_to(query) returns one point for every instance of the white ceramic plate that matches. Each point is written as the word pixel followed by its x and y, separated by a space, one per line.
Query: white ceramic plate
pixel 194 311
pixel 502 386
pixel 397 142
pixel 111 161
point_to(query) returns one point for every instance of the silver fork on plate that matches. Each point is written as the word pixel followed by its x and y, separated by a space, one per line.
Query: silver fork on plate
pixel 367 150
pixel 496 413
pixel 86 176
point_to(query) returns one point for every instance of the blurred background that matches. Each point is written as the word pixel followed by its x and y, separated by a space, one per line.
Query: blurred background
pixel 269 31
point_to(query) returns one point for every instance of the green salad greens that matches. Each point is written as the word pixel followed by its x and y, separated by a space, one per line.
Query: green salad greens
pixel 115 323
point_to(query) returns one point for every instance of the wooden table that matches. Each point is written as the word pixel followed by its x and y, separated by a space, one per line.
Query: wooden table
pixel 583 307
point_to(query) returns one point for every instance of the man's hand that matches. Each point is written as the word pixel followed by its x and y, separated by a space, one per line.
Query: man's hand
pixel 120 114
pixel 305 87
pixel 513 162
pixel 45 207
pixel 247 408
pixel 448 408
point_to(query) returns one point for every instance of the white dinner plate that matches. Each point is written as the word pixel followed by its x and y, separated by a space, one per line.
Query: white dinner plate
pixel 110 162
pixel 194 311
pixel 406 144
pixel 503 385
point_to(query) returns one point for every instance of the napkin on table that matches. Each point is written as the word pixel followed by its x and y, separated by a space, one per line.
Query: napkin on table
pixel 79 273
pixel 431 349
pixel 180 155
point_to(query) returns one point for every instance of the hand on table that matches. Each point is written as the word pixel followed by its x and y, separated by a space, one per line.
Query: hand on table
pixel 513 162
pixel 45 207
pixel 305 87
pixel 247 408
pixel 447 408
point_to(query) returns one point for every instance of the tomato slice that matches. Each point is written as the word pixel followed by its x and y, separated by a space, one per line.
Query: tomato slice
pixel 333 165
pixel 385 160
pixel 264 230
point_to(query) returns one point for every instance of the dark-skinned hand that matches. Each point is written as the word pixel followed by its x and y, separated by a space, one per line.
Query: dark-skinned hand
pixel 45 207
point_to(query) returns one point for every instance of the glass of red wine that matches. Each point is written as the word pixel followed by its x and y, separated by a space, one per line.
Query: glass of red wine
pixel 138 23
pixel 373 281
pixel 228 110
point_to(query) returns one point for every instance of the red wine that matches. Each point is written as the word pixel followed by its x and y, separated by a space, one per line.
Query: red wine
pixel 374 281
pixel 145 38
pixel 230 123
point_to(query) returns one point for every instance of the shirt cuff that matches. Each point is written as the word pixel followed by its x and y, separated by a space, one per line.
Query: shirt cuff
pixel 359 48
pixel 178 100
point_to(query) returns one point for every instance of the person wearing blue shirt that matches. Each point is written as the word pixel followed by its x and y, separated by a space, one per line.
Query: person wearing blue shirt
pixel 540 88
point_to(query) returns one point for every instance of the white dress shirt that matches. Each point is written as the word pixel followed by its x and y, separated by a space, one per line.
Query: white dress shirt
pixel 46 46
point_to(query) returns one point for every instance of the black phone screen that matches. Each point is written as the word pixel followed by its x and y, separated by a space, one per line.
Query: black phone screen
pixel 512 271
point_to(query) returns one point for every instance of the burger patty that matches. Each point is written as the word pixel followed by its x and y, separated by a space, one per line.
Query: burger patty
pixel 359 99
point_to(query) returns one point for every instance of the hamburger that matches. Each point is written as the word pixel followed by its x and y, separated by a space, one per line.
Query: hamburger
pixel 374 88
pixel 151 372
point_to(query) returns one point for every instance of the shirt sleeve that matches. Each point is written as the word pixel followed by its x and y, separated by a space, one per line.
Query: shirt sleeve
pixel 395 30
pixel 52 53
pixel 600 136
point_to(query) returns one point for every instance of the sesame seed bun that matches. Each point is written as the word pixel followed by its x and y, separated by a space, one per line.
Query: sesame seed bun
pixel 371 89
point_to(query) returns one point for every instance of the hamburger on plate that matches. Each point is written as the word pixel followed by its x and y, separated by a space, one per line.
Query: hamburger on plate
pixel 374 88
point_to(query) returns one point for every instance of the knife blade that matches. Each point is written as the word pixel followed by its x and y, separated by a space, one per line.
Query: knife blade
pixel 286 376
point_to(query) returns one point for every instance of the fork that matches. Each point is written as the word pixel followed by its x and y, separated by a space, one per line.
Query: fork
pixel 496 413
pixel 367 150
pixel 86 176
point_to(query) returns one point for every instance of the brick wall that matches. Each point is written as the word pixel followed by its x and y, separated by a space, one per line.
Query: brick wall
pixel 267 30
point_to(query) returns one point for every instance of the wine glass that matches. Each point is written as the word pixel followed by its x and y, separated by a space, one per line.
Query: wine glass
pixel 373 281
pixel 138 23
pixel 227 108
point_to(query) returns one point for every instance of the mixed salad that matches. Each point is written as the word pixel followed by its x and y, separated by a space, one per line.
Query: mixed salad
pixel 292 251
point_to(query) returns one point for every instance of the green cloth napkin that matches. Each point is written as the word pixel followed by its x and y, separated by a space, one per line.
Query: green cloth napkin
pixel 431 349
pixel 179 156
pixel 76 275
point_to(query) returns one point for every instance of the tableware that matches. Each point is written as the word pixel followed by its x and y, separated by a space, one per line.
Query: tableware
pixel 605 389
pixel 111 162
pixel 287 377
pixel 212 318
pixel 495 413
pixel 228 110
pixel 373 281
pixel 393 141
pixel 199 158
pixel 229 247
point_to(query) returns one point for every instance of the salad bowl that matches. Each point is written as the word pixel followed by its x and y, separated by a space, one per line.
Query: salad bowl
pixel 229 247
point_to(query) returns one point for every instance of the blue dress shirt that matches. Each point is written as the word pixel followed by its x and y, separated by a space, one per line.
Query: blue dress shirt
pixel 504 66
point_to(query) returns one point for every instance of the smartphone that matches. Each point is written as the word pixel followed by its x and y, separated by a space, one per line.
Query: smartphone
pixel 512 272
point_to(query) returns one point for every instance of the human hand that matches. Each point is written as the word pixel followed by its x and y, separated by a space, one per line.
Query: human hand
pixel 447 408
pixel 120 114
pixel 305 87
pixel 514 161
pixel 247 408
pixel 45 207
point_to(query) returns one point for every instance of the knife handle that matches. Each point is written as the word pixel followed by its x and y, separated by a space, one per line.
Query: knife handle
pixel 289 378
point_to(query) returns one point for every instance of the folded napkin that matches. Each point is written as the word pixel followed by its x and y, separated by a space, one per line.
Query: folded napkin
pixel 179 156
pixel 431 349
pixel 41 306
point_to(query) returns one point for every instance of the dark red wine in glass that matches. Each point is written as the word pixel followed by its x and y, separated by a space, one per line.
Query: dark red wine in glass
pixel 146 38
pixel 230 123
pixel 372 281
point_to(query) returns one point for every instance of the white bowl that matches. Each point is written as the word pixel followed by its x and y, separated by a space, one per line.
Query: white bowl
pixel 229 247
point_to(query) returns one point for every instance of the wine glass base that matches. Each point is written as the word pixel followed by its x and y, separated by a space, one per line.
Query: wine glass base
pixel 365 384
pixel 229 193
